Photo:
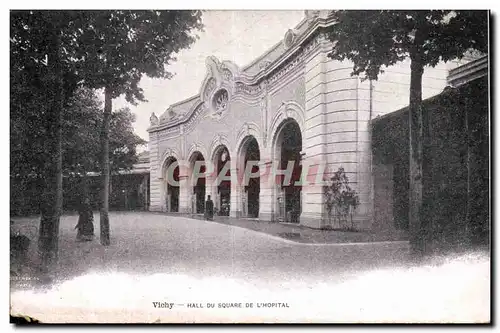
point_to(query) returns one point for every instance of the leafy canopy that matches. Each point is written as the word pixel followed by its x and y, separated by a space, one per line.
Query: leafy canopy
pixel 104 48
pixel 81 142
pixel 381 38
pixel 115 48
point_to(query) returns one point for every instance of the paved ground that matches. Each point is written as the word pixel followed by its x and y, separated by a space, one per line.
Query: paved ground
pixel 303 234
pixel 153 257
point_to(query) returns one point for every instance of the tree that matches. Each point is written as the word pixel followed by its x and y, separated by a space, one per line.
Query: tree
pixel 81 122
pixel 81 140
pixel 341 200
pixel 123 141
pixel 108 50
pixel 36 56
pixel 376 39
pixel 114 51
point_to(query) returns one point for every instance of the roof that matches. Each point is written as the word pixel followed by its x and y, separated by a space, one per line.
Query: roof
pixel 447 93
pixel 143 157
pixel 255 71
pixel 468 72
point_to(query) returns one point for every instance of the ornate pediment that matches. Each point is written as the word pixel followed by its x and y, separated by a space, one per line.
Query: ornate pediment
pixel 218 86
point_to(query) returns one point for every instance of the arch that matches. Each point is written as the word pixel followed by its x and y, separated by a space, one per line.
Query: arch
pixel 218 141
pixel 169 153
pixel 247 129
pixel 243 145
pixel 196 147
pixel 287 146
pixel 249 150
pixel 197 182
pixel 287 110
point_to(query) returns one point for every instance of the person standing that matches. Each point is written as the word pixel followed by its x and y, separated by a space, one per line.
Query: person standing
pixel 209 209
pixel 85 224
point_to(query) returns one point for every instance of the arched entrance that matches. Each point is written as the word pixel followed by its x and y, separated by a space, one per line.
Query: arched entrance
pixel 250 155
pixel 198 183
pixel 222 163
pixel 288 147
pixel 172 185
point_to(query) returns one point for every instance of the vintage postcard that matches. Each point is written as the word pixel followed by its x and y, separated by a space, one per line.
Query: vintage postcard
pixel 250 166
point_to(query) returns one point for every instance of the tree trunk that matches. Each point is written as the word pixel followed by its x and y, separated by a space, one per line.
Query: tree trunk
pixel 416 132
pixel 84 186
pixel 468 136
pixel 104 216
pixel 51 204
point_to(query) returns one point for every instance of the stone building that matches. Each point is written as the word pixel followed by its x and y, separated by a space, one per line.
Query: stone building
pixel 292 103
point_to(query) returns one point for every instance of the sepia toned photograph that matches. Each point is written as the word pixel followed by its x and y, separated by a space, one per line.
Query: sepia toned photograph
pixel 174 166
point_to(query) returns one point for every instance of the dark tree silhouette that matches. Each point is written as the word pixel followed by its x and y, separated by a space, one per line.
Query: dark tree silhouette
pixel 376 39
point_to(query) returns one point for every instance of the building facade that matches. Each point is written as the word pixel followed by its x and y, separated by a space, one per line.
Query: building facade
pixel 291 104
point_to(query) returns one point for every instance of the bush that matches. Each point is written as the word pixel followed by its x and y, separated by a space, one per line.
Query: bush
pixel 341 200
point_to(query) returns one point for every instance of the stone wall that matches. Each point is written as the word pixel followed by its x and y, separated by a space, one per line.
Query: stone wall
pixel 456 168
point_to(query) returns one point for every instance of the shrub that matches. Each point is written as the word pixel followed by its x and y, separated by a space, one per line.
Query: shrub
pixel 341 200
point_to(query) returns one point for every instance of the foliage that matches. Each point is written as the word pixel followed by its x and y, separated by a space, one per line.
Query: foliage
pixel 115 48
pixel 113 51
pixel 27 131
pixel 35 41
pixel 81 146
pixel 341 200
pixel 373 40
pixel 81 143
pixel 96 49
pixel 381 38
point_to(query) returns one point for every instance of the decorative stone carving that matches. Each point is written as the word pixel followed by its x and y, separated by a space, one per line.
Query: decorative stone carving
pixel 264 64
pixel 287 109
pixel 311 15
pixel 200 109
pixel 169 132
pixel 220 101
pixel 167 153
pixel 263 85
pixel 246 89
pixel 226 74
pixel 210 87
pixel 153 119
pixel 218 73
pixel 172 114
pixel 293 61
pixel 264 111
pixel 290 37
pixel 213 66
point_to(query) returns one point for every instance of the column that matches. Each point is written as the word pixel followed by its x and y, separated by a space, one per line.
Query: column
pixel 144 191
pixel 316 136
pixel 313 211
pixel 162 186
pixel 244 202
pixel 211 188
pixel 156 179
pixel 266 195
pixel 235 206
pixel 185 191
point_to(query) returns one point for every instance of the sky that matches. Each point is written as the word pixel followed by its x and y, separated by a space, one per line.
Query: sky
pixel 239 36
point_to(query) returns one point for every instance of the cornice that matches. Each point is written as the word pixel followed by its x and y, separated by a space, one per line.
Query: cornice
pixel 250 88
